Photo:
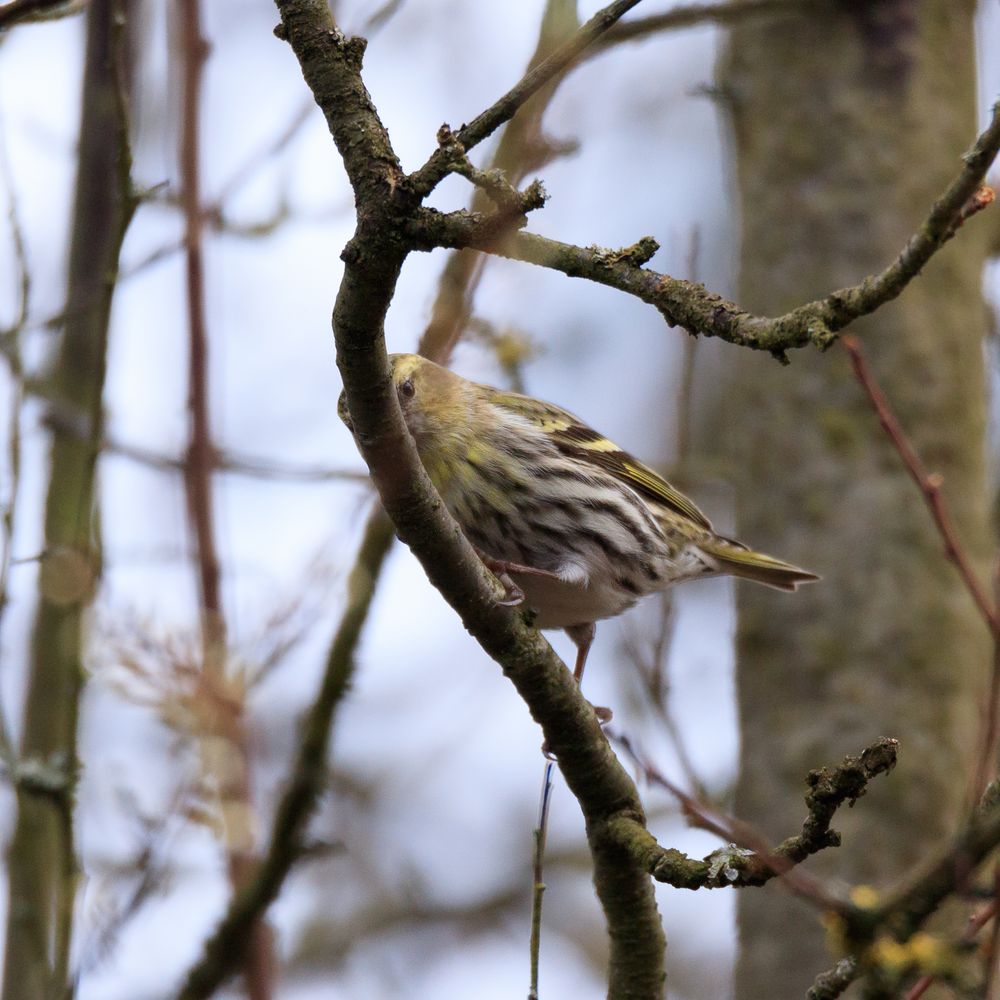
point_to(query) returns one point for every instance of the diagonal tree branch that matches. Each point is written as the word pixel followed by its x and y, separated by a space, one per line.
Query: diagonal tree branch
pixel 691 15
pixel 702 312
pixel 42 864
pixel 372 262
pixel 18 11
pixel 486 123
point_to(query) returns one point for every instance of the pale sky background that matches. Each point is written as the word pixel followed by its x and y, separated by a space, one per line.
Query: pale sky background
pixel 434 731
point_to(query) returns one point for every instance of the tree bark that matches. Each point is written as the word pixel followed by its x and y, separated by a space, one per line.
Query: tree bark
pixel 41 862
pixel 846 123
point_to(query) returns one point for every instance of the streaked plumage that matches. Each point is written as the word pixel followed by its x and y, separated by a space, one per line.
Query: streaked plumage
pixel 532 485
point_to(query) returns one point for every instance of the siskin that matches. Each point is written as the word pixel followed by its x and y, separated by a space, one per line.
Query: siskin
pixel 572 525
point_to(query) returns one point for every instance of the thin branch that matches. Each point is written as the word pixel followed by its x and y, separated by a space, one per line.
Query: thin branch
pixel 696 14
pixel 538 885
pixel 199 458
pixel 425 179
pixel 754 862
pixel 273 148
pixel 73 422
pixel 520 147
pixel 17 11
pixel 651 668
pixel 237 464
pixel 699 311
pixel 257 952
pixel 928 483
pixel 12 338
pixel 223 949
pixel 685 396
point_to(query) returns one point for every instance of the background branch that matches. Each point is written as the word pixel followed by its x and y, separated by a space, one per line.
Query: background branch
pixel 42 867
pixel 231 768
pixel 487 122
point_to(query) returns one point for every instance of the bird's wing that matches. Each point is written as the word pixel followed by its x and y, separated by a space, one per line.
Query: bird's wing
pixel 573 438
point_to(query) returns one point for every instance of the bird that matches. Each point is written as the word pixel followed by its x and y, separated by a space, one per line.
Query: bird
pixel 574 527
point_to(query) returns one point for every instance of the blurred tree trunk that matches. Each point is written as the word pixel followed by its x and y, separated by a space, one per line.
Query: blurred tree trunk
pixel 41 861
pixel 847 124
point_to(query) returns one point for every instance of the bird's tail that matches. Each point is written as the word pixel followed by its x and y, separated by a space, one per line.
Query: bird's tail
pixel 738 561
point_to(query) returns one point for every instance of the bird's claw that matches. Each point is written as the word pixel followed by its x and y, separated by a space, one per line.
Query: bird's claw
pixel 514 594
pixel 502 568
pixel 604 714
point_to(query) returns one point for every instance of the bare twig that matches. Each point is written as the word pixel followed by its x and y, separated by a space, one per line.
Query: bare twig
pixel 685 397
pixel 974 925
pixel 517 151
pixel 754 861
pixel 485 124
pixel 257 952
pixel 538 885
pixel 651 667
pixel 71 421
pixel 928 483
pixel 199 458
pixel 906 910
pixel 17 11
pixel 15 361
pixel 690 15
pixel 699 311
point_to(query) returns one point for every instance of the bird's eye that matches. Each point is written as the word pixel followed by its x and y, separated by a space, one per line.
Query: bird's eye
pixel 406 388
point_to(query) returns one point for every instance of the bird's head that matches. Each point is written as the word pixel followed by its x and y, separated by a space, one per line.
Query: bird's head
pixel 433 399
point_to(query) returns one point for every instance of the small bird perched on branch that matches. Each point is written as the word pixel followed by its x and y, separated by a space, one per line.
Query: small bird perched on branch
pixel 573 526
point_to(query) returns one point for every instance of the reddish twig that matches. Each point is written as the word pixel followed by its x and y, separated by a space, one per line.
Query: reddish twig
pixel 258 960
pixel 977 921
pixel 200 459
pixel 929 484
